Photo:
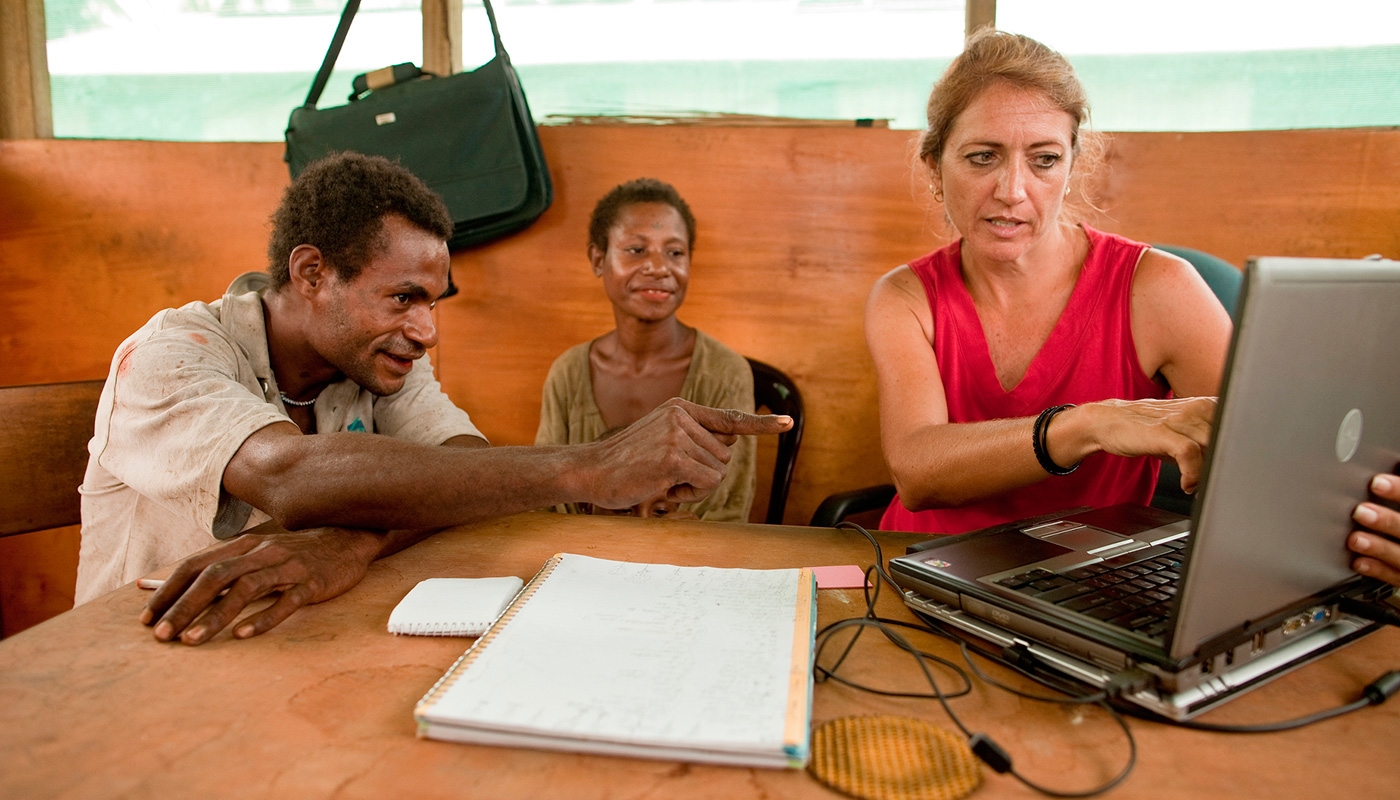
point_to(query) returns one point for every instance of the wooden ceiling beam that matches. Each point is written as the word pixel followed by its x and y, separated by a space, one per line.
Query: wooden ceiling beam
pixel 26 111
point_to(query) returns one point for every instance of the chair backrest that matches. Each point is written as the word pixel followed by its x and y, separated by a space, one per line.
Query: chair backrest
pixel 1224 279
pixel 43 453
pixel 838 507
pixel 775 391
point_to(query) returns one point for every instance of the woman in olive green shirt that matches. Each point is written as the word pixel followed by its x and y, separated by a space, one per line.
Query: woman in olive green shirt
pixel 640 240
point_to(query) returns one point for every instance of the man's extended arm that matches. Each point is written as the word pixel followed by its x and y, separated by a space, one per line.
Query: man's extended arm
pixel 380 483
pixel 352 487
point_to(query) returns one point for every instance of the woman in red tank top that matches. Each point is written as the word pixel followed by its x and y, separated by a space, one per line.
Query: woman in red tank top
pixel 1065 361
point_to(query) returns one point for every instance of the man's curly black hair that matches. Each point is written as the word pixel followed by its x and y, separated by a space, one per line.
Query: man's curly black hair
pixel 640 190
pixel 337 205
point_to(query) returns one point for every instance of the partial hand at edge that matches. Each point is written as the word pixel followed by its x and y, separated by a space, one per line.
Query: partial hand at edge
pixel 680 449
pixel 1377 544
pixel 305 567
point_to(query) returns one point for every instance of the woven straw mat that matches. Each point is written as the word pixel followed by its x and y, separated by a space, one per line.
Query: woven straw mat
pixel 893 758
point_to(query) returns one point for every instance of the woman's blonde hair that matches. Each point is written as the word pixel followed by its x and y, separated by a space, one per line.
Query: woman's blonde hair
pixel 993 56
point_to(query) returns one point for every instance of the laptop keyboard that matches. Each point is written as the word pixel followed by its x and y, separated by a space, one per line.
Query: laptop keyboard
pixel 1132 591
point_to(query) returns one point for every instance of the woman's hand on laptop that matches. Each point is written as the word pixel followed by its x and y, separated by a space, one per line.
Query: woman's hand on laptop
pixel 1178 429
pixel 1377 544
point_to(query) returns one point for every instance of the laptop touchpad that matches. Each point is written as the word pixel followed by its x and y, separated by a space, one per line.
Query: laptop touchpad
pixel 1086 539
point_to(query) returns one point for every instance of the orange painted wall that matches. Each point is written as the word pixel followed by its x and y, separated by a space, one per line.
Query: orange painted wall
pixel 795 224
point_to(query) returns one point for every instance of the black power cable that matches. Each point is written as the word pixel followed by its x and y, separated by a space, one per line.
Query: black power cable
pixel 1025 662
pixel 983 746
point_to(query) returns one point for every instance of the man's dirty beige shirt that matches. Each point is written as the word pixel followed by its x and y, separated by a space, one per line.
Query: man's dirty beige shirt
pixel 184 392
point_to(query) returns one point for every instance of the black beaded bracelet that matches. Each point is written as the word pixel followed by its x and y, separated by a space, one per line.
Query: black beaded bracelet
pixel 1039 435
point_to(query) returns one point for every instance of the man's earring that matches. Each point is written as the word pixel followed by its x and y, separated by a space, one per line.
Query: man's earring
pixel 937 193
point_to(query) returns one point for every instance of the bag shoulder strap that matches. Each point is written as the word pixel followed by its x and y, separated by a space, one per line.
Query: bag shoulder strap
pixel 323 75
pixel 496 32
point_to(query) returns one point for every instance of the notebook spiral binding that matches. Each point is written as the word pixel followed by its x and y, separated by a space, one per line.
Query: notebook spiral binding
pixel 466 658
pixel 435 629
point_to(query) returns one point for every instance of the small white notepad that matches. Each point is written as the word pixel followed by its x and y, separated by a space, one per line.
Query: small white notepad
pixel 453 606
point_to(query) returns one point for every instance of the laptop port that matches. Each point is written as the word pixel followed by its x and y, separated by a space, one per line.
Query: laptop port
pixel 1257 646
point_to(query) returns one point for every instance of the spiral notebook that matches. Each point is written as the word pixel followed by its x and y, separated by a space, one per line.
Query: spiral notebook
pixel 648 660
pixel 453 606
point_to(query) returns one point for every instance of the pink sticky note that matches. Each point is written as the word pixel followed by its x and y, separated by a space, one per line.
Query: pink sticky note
pixel 846 576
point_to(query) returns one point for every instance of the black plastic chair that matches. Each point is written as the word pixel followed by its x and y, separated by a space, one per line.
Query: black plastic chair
pixel 1223 278
pixel 775 391
pixel 841 505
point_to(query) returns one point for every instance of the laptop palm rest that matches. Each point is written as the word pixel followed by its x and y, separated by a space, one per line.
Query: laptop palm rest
pixel 984 555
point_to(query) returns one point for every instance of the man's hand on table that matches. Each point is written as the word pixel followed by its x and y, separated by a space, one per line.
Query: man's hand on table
pixel 304 567
pixel 1377 544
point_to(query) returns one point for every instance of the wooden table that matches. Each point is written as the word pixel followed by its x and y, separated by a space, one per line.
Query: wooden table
pixel 92 706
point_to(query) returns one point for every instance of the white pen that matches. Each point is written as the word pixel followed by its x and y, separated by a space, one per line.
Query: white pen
pixel 156 583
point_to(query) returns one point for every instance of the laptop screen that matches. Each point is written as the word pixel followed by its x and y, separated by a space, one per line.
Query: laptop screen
pixel 1309 411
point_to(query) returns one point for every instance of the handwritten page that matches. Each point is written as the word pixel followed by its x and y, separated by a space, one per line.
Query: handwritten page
pixel 643 654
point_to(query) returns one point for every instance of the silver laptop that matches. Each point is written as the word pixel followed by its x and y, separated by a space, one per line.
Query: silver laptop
pixel 1250 586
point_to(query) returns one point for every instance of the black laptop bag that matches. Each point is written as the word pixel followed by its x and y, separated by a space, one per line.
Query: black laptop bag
pixel 469 136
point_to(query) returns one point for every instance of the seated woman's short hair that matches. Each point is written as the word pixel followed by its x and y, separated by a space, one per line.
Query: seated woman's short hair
pixel 640 190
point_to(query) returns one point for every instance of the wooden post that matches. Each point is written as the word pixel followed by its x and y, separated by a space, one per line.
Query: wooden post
pixel 26 111
pixel 981 14
pixel 442 36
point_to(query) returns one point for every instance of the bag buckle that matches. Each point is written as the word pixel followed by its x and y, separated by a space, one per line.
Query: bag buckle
pixel 367 82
